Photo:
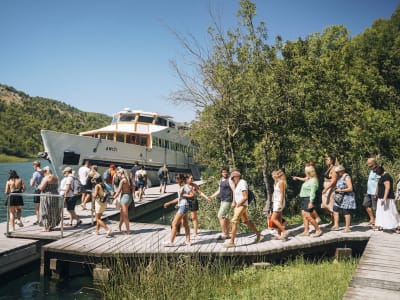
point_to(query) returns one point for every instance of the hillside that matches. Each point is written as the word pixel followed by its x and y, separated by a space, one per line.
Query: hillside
pixel 22 117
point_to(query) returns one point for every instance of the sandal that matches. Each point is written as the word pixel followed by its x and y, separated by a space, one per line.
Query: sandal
pixel 335 228
pixel 304 234
pixel 229 245
pixel 317 233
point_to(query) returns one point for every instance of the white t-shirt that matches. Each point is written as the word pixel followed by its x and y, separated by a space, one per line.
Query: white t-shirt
pixel 83 174
pixel 64 182
pixel 241 186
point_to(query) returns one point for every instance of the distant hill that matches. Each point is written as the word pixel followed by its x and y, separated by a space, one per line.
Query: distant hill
pixel 22 117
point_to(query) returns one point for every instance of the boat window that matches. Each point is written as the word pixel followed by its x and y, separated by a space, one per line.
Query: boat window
pixel 110 136
pixel 127 118
pixel 131 139
pixel 167 144
pixel 120 138
pixel 155 141
pixel 145 119
pixel 173 146
pixel 143 141
pixel 115 119
pixel 161 122
pixel 171 124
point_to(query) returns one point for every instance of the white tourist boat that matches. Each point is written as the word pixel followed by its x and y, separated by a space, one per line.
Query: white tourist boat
pixel 149 138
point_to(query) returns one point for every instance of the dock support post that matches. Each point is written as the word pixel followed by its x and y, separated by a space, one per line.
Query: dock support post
pixel 58 268
pixel 343 253
pixel 101 273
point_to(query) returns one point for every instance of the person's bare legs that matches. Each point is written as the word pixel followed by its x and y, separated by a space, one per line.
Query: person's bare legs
pixel 277 220
pixel 347 219
pixel 175 223
pixel 195 221
pixel 370 213
pixel 224 222
pixel 124 218
pixel 11 211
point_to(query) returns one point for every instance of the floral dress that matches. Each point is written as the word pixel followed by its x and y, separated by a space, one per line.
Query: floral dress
pixel 349 201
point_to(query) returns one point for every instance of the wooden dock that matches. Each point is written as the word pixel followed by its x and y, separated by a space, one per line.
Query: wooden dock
pixel 23 245
pixel 151 201
pixel 378 273
pixel 148 240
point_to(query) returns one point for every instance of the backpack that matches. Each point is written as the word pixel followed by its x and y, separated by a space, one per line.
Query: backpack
pixel 106 194
pixel 160 173
pixel 251 197
pixel 77 187
pixel 107 175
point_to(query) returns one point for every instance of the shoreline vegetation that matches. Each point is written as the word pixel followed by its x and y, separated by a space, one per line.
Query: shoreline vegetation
pixel 4 158
pixel 186 277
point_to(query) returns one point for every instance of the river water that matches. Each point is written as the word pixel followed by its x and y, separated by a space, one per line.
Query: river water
pixel 26 282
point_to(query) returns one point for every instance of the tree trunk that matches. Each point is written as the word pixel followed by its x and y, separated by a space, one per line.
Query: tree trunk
pixel 265 178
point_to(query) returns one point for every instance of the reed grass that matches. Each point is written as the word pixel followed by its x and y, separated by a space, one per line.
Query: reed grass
pixel 186 277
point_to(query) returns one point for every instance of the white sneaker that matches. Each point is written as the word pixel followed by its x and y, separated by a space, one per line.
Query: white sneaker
pixel 169 244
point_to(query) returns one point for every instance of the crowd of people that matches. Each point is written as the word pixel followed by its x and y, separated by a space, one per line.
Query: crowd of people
pixel 88 187
pixel 338 198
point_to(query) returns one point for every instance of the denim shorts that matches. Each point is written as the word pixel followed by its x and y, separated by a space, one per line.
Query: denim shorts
pixel 183 210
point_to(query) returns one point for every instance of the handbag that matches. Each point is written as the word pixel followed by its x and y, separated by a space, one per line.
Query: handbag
pixel 339 198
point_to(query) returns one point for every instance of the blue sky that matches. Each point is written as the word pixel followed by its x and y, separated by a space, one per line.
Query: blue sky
pixel 103 56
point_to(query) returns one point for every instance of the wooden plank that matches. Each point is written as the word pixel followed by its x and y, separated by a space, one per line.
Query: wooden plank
pixel 354 293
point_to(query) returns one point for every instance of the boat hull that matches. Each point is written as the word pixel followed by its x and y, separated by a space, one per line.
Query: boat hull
pixel 64 149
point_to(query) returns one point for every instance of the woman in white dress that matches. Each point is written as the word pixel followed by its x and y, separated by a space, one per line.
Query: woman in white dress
pixel 387 216
pixel 280 185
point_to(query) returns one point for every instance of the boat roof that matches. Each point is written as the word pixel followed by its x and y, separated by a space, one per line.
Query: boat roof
pixel 143 113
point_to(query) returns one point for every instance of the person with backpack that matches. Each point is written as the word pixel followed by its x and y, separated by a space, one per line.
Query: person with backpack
pixel 240 204
pixel 163 175
pixel 100 204
pixel 66 190
pixel 109 174
pixel 141 178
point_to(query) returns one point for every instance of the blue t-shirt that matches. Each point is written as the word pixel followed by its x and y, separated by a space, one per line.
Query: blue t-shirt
pixel 373 179
pixel 37 177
